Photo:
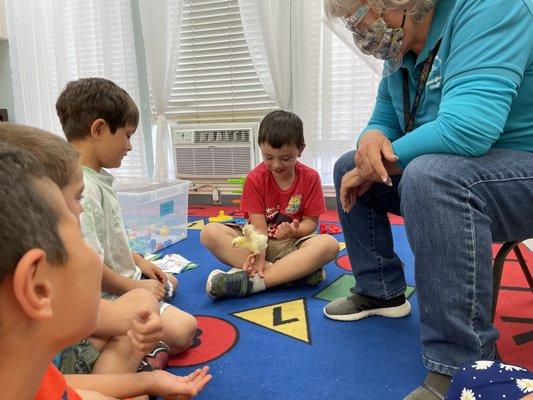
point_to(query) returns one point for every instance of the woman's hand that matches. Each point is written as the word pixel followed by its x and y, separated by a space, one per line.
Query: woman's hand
pixel 353 185
pixel 375 158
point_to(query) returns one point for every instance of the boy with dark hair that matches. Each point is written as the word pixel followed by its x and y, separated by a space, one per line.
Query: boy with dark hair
pixel 60 163
pixel 109 349
pixel 283 199
pixel 86 100
pixel 98 118
pixel 49 278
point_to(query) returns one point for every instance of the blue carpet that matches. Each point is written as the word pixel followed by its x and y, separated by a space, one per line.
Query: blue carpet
pixel 376 358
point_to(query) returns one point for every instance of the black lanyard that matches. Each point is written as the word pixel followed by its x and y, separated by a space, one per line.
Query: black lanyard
pixel 409 117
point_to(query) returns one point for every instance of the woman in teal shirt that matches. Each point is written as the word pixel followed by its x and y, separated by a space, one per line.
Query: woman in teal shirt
pixel 450 148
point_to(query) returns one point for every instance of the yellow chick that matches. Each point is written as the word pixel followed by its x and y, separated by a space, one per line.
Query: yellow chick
pixel 252 240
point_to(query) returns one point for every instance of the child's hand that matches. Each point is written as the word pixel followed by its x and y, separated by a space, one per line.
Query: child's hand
pixel 173 280
pixel 146 330
pixel 153 286
pixel 254 264
pixel 287 230
pixel 171 387
pixel 248 263
pixel 152 271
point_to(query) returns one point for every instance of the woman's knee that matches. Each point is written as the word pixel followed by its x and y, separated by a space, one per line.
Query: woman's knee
pixel 429 179
pixel 421 173
pixel 344 164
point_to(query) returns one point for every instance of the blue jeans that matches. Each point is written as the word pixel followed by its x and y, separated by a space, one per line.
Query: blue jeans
pixel 454 207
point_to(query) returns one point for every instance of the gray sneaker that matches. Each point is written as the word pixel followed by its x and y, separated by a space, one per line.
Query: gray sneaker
pixel 434 387
pixel 310 280
pixel 357 306
pixel 228 284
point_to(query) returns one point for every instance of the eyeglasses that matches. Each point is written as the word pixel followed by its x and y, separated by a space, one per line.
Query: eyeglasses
pixel 361 19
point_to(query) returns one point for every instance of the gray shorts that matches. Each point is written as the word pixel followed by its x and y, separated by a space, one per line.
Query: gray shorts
pixel 81 357
pixel 78 358
pixel 277 249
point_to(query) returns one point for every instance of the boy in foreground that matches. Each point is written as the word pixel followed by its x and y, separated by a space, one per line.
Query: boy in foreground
pixel 283 199
pixel 127 328
pixel 49 278
pixel 48 147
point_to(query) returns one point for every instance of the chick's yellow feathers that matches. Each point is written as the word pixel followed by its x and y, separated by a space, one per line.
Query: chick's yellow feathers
pixel 252 240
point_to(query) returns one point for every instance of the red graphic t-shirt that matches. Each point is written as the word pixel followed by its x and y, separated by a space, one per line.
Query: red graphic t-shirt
pixel 54 387
pixel 262 195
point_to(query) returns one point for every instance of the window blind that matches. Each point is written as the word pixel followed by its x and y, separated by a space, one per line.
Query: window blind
pixel 353 91
pixel 349 90
pixel 215 78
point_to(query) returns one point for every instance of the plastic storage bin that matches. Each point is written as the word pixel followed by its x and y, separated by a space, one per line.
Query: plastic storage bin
pixel 154 212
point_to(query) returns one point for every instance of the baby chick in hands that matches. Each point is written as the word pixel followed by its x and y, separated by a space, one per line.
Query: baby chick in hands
pixel 252 240
pixel 256 243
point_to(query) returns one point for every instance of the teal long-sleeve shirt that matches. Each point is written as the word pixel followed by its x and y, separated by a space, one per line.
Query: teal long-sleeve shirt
pixel 479 94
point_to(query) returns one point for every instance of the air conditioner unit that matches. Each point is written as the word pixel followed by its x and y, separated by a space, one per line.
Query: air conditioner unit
pixel 214 150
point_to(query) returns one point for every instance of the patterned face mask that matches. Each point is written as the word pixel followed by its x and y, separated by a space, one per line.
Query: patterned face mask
pixel 373 36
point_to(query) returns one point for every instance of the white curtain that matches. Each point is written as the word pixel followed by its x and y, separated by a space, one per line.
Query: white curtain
pixel 333 84
pixel 31 28
pixel 334 87
pixel 307 54
pixel 337 27
pixel 266 25
pixel 54 41
pixel 161 22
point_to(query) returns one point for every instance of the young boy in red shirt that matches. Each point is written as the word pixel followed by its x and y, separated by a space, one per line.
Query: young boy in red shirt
pixel 283 199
